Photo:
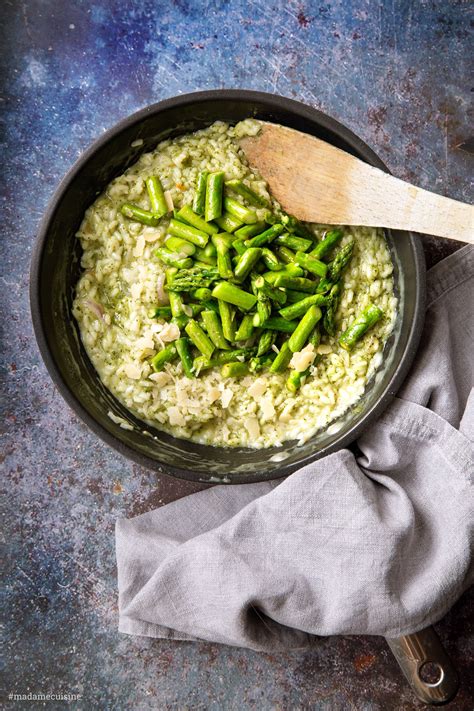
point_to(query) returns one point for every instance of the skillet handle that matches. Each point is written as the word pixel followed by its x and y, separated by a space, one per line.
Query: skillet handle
pixel 427 667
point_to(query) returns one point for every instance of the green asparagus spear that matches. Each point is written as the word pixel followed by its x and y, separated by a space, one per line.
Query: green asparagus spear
pixel 246 263
pixel 239 187
pixel 293 270
pixel 228 222
pixel 226 312
pixel 196 309
pixel 180 246
pixel 199 202
pixel 271 218
pixel 187 214
pixel 365 320
pixel 286 255
pixel 336 267
pixel 295 379
pixel 224 263
pixel 270 260
pixel 332 301
pixel 295 226
pixel 248 231
pixel 220 358
pixel 242 213
pixel 199 338
pixel 282 359
pixel 228 238
pixel 264 306
pixel 211 305
pixel 290 270
pixel 179 229
pixel 265 237
pixel 190 279
pixel 233 295
pixel 329 240
pixel 266 341
pixel 172 259
pixel 213 326
pixel 176 302
pixel 234 370
pixel 340 261
pixel 300 307
pixel 240 247
pixel 245 329
pixel 133 212
pixel 210 250
pixel 201 294
pixel 295 283
pixel 324 286
pixel 264 310
pixel 168 354
pixel 273 293
pixel 300 335
pixel 180 320
pixel 158 204
pixel 214 190
pixel 278 323
pixel 184 352
pixel 298 244
pixel 270 277
pixel 311 264
pixel 315 338
pixel 208 255
pixel 161 312
pixel 262 362
pixel 293 297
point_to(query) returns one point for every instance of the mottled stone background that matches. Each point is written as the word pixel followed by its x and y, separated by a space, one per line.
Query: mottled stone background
pixel 397 74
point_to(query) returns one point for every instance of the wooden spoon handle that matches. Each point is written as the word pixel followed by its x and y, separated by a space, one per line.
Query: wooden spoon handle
pixel 399 205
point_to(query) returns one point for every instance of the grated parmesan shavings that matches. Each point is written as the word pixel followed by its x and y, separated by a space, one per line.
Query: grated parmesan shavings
pixel 226 397
pixel 301 360
pixel 213 394
pixel 252 427
pixel 176 416
pixel 257 388
pixel 267 408
pixel 139 246
pixel 161 379
pixel 169 333
pixel 133 371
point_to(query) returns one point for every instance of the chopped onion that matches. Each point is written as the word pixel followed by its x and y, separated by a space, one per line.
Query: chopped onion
pixel 162 295
pixel 96 308
pixel 169 200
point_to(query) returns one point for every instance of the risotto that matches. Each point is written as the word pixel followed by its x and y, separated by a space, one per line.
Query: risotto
pixel 211 314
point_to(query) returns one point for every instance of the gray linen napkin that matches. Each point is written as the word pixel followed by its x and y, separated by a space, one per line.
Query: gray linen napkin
pixel 379 544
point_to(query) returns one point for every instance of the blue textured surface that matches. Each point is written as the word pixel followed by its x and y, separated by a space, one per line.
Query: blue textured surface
pixel 395 73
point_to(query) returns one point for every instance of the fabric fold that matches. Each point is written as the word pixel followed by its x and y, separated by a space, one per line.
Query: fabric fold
pixel 378 543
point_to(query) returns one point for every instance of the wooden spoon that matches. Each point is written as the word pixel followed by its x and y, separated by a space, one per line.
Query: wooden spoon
pixel 316 182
